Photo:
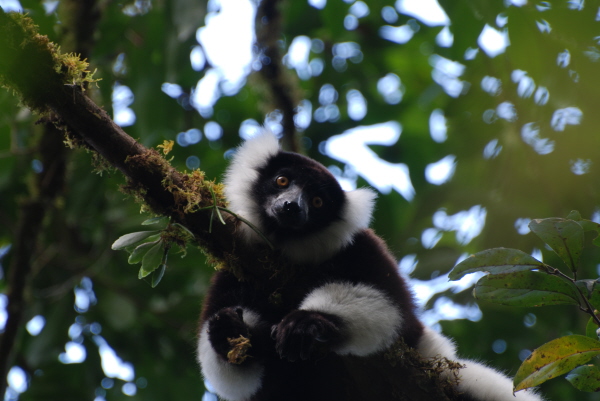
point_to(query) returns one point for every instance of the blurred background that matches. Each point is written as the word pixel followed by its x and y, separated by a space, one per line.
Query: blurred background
pixel 469 119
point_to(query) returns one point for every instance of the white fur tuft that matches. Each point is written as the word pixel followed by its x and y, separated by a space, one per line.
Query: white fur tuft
pixel 484 383
pixel 323 245
pixel 231 382
pixel 242 173
pixel 359 207
pixel 372 319
pixel 432 344
pixel 476 380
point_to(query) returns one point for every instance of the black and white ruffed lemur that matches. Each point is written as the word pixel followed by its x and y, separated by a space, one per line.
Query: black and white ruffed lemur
pixel 346 299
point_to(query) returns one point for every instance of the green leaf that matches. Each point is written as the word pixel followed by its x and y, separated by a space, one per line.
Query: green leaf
pixel 152 238
pixel 587 225
pixel 494 261
pixel 586 286
pixel 158 274
pixel 565 237
pixel 591 291
pixel 591 329
pixel 526 288
pixel 585 378
pixel 595 296
pixel 152 259
pixel 138 253
pixel 555 358
pixel 131 239
pixel 156 220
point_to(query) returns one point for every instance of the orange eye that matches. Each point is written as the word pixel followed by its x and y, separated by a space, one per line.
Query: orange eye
pixel 317 202
pixel 282 181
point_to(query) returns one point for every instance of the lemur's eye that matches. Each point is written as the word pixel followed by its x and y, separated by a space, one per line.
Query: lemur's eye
pixel 282 181
pixel 317 202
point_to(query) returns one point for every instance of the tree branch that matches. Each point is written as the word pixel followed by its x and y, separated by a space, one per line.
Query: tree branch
pixel 31 216
pixel 30 65
pixel 280 82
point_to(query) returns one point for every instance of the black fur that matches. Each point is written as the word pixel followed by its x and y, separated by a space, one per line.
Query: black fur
pixel 312 179
pixel 366 261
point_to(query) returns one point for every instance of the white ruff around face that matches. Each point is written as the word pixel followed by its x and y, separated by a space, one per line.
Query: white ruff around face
pixel 242 174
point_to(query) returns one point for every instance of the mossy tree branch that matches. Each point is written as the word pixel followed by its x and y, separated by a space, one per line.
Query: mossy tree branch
pixel 31 66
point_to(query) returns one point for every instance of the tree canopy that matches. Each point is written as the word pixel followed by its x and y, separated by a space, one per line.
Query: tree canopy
pixel 470 118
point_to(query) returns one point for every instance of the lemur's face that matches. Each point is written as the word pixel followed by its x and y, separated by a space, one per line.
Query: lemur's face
pixel 297 196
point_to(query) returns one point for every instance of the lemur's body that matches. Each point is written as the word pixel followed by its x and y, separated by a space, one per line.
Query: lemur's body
pixel 343 295
pixel 281 376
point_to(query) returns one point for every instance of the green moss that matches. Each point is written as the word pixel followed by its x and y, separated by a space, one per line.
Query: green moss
pixel 34 67
pixel 73 69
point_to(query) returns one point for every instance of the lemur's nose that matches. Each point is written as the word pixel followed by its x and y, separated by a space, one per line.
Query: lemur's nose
pixel 291 207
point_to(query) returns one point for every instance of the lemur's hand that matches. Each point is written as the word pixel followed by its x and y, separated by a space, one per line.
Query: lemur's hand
pixel 306 334
pixel 225 328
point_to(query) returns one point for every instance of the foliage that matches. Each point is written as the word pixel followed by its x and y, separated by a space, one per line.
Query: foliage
pixel 517 279
pixel 521 134
pixel 150 248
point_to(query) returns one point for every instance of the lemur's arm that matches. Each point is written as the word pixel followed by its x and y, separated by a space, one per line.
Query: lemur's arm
pixel 342 317
pixel 232 341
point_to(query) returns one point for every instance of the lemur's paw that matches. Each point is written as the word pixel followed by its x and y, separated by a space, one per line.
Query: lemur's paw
pixel 306 335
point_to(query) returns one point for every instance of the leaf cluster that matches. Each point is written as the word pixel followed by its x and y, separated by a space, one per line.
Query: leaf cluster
pixel 517 279
pixel 151 248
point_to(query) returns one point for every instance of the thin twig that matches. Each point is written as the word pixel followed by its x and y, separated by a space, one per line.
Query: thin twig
pixel 243 220
pixel 589 309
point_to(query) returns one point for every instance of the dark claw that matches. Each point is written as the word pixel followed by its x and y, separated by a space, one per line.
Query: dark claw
pixel 274 332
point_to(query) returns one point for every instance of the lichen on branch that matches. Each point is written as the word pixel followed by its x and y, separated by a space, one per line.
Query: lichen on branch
pixel 32 66
pixel 191 191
